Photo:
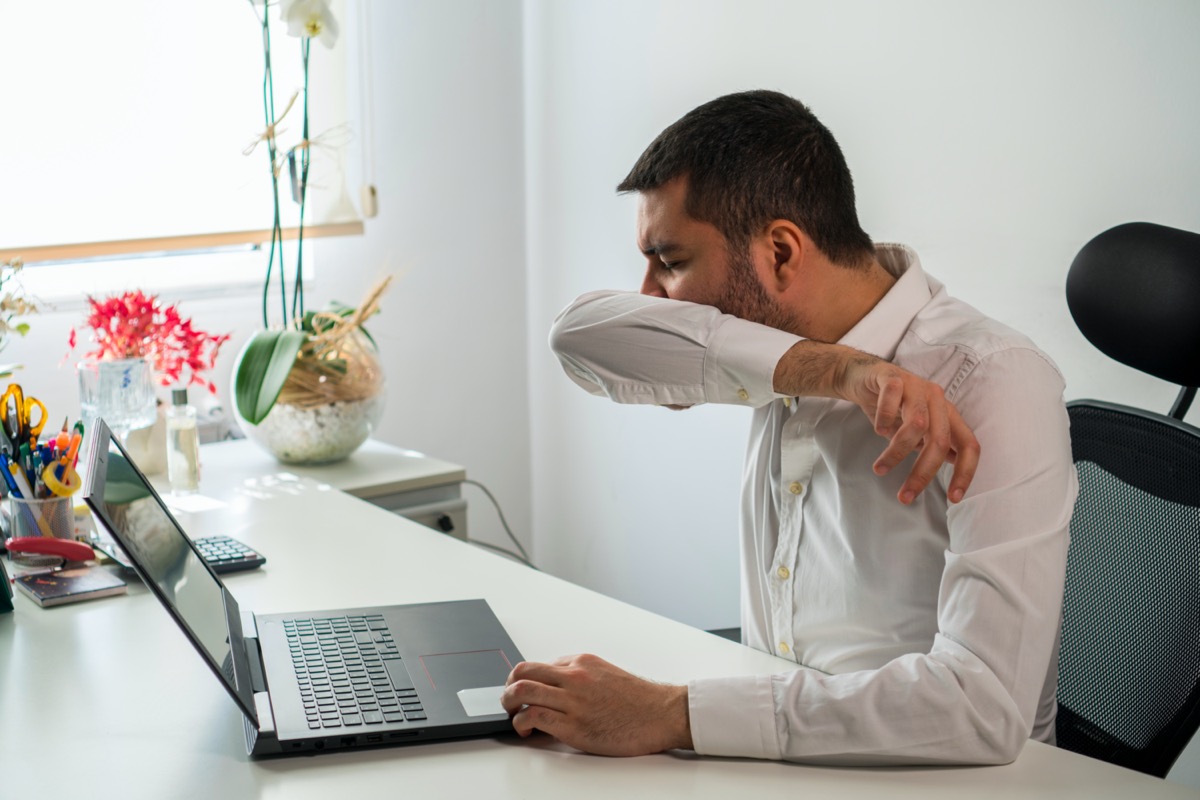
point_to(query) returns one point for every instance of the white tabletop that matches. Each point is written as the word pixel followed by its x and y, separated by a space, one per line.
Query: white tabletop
pixel 374 470
pixel 108 698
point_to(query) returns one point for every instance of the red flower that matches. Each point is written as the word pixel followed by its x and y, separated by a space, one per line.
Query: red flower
pixel 137 325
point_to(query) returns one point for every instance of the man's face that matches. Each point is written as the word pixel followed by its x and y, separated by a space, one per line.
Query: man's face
pixel 687 259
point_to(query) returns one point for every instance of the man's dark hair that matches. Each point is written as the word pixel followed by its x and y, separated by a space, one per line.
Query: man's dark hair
pixel 754 157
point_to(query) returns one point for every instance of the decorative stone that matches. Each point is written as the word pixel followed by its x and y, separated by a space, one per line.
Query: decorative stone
pixel 330 404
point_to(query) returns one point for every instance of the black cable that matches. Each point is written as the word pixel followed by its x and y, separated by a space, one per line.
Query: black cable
pixel 523 557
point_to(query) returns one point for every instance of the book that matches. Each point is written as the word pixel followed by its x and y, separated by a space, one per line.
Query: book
pixel 70 585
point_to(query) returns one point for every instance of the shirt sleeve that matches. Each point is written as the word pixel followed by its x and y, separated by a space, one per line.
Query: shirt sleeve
pixel 973 698
pixel 637 349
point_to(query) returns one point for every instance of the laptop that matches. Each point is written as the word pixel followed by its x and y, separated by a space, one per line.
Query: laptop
pixel 318 680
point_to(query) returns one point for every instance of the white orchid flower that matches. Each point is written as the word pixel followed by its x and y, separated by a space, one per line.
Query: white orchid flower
pixel 310 19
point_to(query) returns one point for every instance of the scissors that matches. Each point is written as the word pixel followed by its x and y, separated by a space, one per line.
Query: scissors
pixel 24 426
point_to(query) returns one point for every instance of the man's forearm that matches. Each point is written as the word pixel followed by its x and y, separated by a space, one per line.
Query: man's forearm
pixel 816 369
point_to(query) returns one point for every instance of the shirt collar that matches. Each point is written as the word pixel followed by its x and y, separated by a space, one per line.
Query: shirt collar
pixel 880 331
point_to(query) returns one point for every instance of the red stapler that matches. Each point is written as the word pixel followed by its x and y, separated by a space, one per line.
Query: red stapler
pixel 63 548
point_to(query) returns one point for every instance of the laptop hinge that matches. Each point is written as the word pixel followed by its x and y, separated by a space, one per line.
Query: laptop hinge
pixel 258 680
pixel 266 719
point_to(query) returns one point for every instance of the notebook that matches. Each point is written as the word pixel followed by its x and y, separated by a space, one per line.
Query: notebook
pixel 319 680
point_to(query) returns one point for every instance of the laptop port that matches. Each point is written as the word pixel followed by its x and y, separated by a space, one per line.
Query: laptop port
pixel 403 734
pixel 320 745
pixel 374 738
pixel 349 741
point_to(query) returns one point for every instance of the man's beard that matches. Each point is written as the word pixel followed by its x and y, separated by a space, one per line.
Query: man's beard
pixel 745 297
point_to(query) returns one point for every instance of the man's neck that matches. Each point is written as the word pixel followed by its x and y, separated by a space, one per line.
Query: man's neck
pixel 841 297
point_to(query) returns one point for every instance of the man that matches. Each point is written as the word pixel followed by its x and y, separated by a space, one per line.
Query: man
pixel 926 628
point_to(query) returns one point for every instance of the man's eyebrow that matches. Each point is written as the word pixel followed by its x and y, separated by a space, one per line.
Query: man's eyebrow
pixel 661 248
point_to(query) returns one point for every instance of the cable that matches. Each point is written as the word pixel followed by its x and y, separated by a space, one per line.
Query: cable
pixel 502 551
pixel 523 557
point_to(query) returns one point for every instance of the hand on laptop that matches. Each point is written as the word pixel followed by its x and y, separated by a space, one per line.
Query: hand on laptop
pixel 592 705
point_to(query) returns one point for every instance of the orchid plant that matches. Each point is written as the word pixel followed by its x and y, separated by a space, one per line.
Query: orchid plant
pixel 269 355
pixel 138 325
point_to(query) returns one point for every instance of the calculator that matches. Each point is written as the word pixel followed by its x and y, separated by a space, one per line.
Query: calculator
pixel 222 553
pixel 225 554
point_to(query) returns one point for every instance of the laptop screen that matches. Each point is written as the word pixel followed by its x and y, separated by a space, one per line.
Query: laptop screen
pixel 136 517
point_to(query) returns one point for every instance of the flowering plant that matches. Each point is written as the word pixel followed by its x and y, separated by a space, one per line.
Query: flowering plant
pixel 13 303
pixel 271 353
pixel 305 20
pixel 137 325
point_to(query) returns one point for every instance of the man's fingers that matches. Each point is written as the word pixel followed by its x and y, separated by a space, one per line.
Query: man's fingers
pixel 966 456
pixel 887 409
pixel 539 718
pixel 908 437
pixel 535 671
pixel 527 692
pixel 935 445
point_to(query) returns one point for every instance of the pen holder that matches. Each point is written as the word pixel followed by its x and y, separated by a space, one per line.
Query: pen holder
pixel 53 517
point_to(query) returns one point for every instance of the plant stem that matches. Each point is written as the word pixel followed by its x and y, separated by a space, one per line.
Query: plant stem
pixel 298 287
pixel 272 152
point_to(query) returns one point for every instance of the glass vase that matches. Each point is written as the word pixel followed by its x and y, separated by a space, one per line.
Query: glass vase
pixel 119 391
pixel 330 403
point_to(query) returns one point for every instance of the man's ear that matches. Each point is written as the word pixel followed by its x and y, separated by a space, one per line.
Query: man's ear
pixel 788 248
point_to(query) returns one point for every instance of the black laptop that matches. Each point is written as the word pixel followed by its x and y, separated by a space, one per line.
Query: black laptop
pixel 318 680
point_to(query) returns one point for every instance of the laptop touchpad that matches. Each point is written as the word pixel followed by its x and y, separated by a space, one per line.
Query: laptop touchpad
pixel 455 671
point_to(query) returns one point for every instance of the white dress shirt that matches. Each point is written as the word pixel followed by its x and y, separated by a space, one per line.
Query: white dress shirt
pixel 927 633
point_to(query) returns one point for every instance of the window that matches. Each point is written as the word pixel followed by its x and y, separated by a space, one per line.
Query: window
pixel 125 128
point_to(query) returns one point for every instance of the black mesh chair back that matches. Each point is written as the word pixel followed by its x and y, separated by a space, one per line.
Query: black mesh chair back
pixel 1129 663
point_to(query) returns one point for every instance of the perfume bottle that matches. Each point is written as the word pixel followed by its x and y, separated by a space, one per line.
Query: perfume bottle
pixel 183 445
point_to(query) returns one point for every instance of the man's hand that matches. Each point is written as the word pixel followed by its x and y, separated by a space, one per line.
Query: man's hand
pixel 591 705
pixel 911 412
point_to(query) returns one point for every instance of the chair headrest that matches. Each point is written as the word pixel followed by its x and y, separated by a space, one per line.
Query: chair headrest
pixel 1134 292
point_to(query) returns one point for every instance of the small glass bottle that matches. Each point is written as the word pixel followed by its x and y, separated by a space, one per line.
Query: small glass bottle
pixel 183 445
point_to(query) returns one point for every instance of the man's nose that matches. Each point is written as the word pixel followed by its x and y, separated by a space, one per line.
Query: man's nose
pixel 651 287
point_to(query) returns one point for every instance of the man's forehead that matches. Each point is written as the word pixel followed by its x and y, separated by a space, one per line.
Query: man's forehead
pixel 661 220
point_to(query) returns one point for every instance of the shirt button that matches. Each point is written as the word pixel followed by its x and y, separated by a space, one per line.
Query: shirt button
pixel 783 648
pixel 742 393
pixel 795 487
pixel 787 402
pixel 783 572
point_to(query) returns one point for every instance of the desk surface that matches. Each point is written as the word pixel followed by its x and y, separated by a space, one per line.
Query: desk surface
pixel 108 697
pixel 374 470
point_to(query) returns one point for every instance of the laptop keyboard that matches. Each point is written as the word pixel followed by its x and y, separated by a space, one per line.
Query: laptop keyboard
pixel 342 667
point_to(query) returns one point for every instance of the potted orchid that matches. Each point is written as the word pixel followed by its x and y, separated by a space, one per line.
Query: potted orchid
pixel 308 388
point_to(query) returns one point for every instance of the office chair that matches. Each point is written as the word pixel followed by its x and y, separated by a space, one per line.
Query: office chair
pixel 1129 664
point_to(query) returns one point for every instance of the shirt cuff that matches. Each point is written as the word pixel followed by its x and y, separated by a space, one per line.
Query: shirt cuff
pixel 739 366
pixel 733 717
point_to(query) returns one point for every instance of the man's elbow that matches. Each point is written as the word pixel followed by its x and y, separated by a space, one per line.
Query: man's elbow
pixel 562 336
pixel 1001 740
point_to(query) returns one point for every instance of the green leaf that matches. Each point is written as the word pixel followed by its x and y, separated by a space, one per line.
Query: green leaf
pixel 22 328
pixel 264 369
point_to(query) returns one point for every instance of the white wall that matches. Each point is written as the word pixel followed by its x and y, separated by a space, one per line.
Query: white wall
pixel 996 138
pixel 448 142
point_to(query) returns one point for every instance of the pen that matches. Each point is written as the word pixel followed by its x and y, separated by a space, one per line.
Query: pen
pixel 18 475
pixel 7 476
pixel 73 450
pixel 26 491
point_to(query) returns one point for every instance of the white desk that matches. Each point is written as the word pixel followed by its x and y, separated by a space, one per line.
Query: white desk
pixel 402 481
pixel 107 699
